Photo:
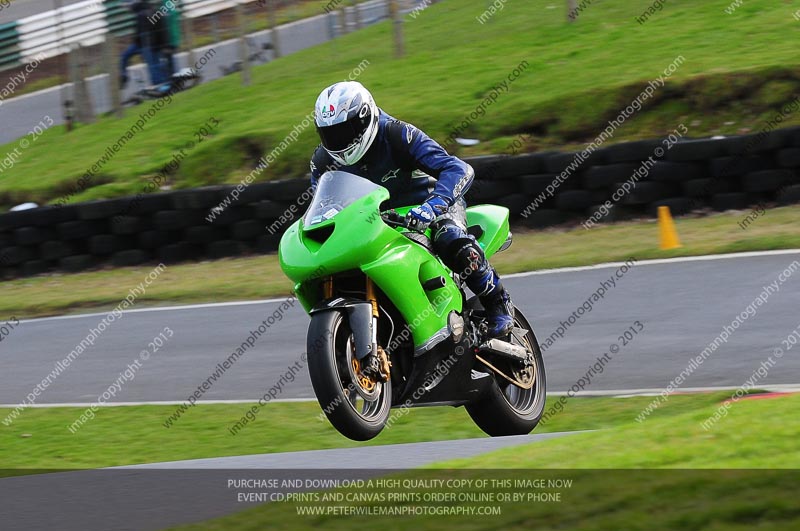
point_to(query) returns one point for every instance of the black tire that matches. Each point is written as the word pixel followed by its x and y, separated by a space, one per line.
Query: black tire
pixel 574 200
pixel 178 252
pixel 225 248
pixel 630 151
pixel 289 189
pixel 535 184
pixel 55 250
pixel 178 219
pixel 515 203
pixel 725 168
pixel 526 164
pixel 257 192
pixel 32 235
pixel 732 201
pixel 104 244
pixel 147 202
pixel 152 239
pixel 756 142
pixel 702 149
pixel 543 218
pixel 204 234
pixel 706 187
pixel 494 413
pixel 676 171
pixel 599 177
pixel 37 217
pixel 788 158
pixel 268 243
pixel 648 191
pixel 678 206
pixel 102 209
pixel 34 267
pixel 247 230
pixel 229 216
pixel 615 213
pixel 792 136
pixel 198 199
pixel 274 210
pixel 766 181
pixel 76 263
pixel 129 258
pixel 489 167
pixel 483 191
pixel 328 336
pixel 558 162
pixel 128 225
pixel 789 195
pixel 78 229
pixel 11 256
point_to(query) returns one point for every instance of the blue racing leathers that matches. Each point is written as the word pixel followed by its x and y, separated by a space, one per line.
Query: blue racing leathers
pixel 415 169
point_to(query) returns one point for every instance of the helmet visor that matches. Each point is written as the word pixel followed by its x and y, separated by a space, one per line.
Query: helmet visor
pixel 339 137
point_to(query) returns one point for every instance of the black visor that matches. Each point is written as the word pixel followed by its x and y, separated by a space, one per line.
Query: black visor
pixel 341 136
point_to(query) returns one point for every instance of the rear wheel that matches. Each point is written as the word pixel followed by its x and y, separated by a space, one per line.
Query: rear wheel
pixel 508 409
pixel 356 406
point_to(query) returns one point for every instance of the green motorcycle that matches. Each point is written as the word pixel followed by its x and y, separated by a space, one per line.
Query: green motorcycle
pixel 371 286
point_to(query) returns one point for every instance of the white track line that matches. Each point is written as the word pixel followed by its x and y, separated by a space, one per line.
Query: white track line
pixel 158 309
pixel 618 393
pixel 658 261
pixel 624 393
pixel 153 403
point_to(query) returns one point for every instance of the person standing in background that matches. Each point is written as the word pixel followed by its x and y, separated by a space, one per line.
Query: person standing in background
pixel 145 43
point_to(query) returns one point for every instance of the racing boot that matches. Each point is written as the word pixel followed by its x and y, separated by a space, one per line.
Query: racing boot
pixel 499 310
pixel 484 282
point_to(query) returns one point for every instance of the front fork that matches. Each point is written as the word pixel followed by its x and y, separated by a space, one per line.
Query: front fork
pixel 364 324
pixel 386 365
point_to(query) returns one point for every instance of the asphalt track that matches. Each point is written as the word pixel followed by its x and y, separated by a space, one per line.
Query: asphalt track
pixel 163 495
pixel 682 306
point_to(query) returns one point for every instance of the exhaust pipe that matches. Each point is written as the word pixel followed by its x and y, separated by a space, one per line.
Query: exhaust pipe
pixel 504 348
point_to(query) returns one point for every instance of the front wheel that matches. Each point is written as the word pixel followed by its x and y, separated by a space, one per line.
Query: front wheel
pixel 338 384
pixel 507 409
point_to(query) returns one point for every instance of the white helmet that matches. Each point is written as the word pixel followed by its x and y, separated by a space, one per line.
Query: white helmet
pixel 347 121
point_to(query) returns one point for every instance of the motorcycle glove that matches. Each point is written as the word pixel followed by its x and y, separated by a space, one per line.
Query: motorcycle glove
pixel 418 218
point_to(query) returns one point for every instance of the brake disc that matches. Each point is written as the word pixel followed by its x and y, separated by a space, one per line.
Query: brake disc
pixel 365 386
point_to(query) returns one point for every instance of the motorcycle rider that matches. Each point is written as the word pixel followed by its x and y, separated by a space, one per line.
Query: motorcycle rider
pixel 362 139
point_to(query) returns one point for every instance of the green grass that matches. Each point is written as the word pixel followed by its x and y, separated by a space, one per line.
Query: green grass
pixel 256 19
pixel 260 277
pixel 579 76
pixel 755 434
pixel 39 438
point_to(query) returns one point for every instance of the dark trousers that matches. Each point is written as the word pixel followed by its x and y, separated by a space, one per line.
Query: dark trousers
pixel 151 57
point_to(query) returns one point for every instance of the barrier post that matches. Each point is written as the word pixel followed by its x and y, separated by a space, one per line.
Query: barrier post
pixel 112 67
pixel 397 18
pixel 244 53
pixel 273 26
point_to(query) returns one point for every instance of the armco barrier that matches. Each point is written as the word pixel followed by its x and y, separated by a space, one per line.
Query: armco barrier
pixel 720 174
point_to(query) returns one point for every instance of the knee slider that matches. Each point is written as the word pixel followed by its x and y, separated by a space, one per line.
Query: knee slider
pixel 445 233
pixel 469 260
pixel 457 248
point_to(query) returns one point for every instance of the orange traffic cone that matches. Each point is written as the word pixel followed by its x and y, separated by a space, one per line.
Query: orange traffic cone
pixel 666 229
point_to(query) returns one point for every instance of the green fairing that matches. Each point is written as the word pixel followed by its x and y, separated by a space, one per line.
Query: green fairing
pixel 398 266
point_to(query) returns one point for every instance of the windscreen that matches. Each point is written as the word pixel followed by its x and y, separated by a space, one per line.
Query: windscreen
pixel 336 190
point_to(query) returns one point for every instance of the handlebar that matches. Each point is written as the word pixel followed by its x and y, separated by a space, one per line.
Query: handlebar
pixel 393 219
